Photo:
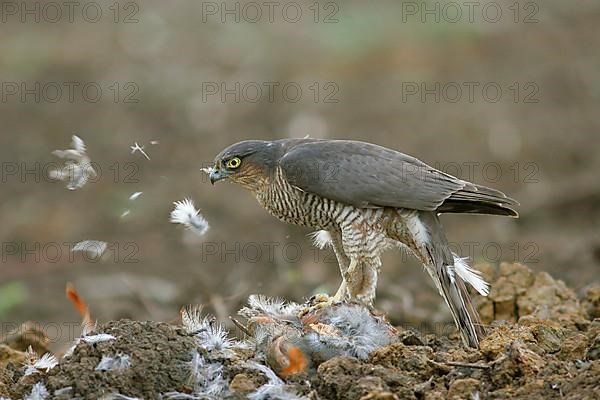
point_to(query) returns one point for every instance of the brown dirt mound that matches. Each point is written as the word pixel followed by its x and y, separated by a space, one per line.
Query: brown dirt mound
pixel 543 342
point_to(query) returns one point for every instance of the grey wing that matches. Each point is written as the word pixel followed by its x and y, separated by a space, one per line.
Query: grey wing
pixel 366 175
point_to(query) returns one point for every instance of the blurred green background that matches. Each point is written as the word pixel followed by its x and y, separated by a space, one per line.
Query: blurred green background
pixel 186 73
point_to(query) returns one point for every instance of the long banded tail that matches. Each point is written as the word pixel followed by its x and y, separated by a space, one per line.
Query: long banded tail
pixel 453 290
pixel 449 273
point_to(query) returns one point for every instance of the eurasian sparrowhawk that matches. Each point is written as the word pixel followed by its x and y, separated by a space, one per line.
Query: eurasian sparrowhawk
pixel 365 199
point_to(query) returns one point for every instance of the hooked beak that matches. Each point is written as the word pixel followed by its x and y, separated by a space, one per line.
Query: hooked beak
pixel 217 175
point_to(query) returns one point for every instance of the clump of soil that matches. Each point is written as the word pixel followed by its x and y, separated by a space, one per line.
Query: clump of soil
pixel 517 291
pixel 542 342
pixel 157 353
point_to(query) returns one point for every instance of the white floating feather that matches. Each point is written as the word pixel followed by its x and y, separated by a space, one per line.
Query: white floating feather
pixel 185 213
pixel 77 169
pixel 135 195
pixel 95 248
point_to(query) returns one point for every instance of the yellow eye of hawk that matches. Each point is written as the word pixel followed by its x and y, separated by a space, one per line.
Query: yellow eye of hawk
pixel 234 163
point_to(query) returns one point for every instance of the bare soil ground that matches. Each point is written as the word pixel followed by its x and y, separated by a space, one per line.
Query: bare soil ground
pixel 543 342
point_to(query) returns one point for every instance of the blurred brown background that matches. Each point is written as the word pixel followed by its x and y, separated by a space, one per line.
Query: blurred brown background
pixel 506 99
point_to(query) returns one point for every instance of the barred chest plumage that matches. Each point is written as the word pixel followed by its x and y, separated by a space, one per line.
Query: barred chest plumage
pixel 295 206
pixel 367 231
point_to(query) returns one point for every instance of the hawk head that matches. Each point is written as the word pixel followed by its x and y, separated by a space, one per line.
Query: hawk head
pixel 249 163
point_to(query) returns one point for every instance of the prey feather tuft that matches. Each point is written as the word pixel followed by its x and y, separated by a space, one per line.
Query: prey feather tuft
pixel 119 361
pixel 38 392
pixel 275 388
pixel 33 363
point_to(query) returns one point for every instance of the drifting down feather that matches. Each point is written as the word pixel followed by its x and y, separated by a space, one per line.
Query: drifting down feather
pixel 135 195
pixel 78 167
pixel 94 248
pixel 185 213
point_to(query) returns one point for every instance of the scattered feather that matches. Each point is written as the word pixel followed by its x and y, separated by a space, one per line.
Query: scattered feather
pixel 209 334
pixel 81 307
pixel 38 392
pixel 192 319
pixel 135 195
pixel 125 213
pixel 137 147
pixel 100 337
pixel 89 339
pixel 278 392
pixel 78 167
pixel 154 142
pixel 95 248
pixel 215 338
pixel 118 396
pixel 207 378
pixel 275 388
pixel 207 170
pixel 34 364
pixel 273 307
pixel 185 213
pixel 268 372
pixel 63 391
pixel 78 144
pixel 179 396
pixel 118 362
